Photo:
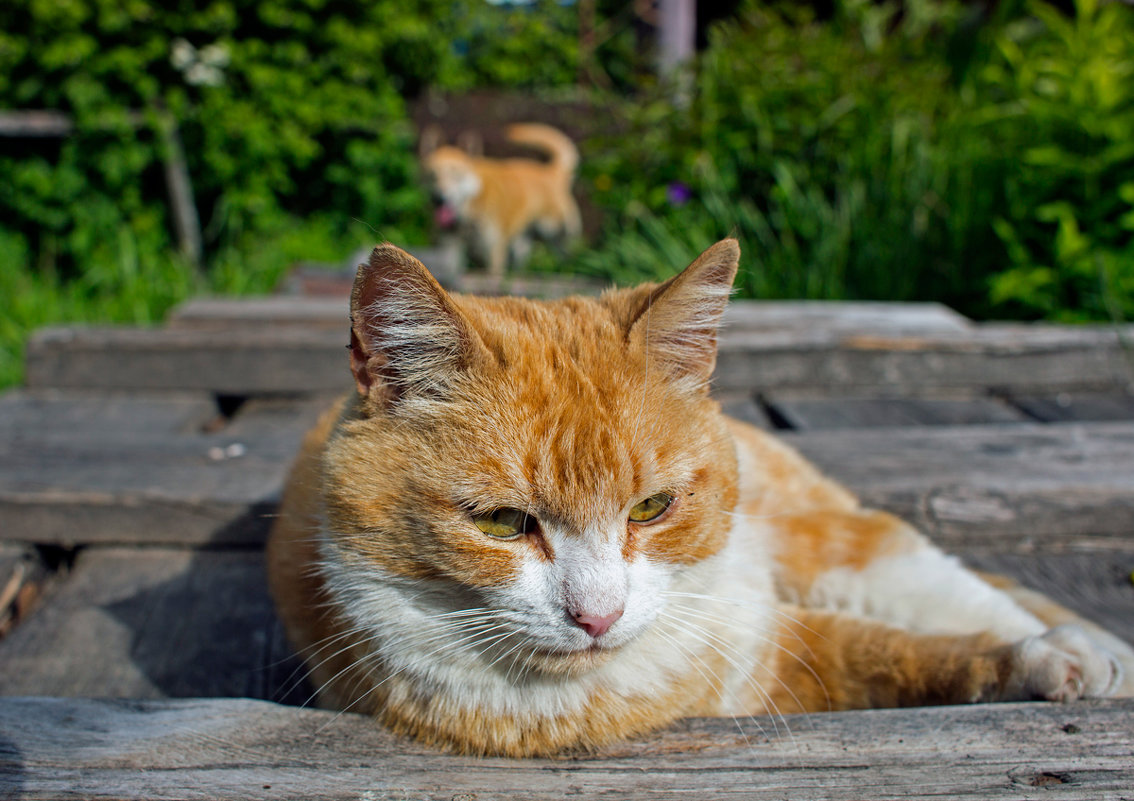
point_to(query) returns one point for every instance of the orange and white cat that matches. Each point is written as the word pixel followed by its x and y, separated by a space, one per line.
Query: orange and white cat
pixel 499 204
pixel 530 529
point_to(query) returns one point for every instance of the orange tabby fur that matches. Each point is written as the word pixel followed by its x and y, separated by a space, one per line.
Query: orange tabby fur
pixel 763 587
pixel 501 202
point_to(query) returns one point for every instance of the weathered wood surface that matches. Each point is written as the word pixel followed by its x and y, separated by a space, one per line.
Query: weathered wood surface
pixel 311 358
pixel 86 468
pixel 282 359
pixel 919 410
pixel 51 749
pixel 1060 407
pixel 1005 487
pixel 809 412
pixel 744 315
pixel 1020 358
pixel 155 623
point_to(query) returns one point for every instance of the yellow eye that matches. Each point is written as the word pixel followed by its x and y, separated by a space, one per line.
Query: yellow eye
pixel 505 524
pixel 651 509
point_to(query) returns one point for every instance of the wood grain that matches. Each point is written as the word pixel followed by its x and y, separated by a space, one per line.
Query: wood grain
pixel 154 623
pixel 83 468
pixel 1037 358
pixel 239 749
pixel 289 358
pixel 1062 407
pixel 999 487
pixel 745 315
pixel 882 412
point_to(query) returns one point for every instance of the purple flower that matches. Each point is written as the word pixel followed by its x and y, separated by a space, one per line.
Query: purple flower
pixel 678 194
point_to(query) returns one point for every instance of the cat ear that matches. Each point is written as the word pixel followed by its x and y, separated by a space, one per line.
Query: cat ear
pixel 678 320
pixel 407 336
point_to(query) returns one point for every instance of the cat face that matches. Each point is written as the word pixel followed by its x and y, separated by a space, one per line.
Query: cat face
pixel 555 465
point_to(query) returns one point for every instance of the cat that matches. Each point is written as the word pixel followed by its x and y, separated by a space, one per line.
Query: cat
pixel 500 203
pixel 531 530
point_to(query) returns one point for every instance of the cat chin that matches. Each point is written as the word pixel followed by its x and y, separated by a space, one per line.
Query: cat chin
pixel 572 663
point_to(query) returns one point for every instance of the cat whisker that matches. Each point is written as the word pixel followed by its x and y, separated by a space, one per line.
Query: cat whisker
pixel 711 678
pixel 418 641
pixel 767 641
pixel 761 632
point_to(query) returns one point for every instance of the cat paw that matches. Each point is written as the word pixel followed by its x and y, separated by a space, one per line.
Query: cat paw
pixel 1065 664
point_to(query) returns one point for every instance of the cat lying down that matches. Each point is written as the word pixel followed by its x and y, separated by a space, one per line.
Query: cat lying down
pixel 532 530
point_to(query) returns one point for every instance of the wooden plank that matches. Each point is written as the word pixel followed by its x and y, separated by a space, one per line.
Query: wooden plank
pixel 814 413
pixel 79 469
pixel 301 310
pixel 990 486
pixel 843 316
pixel 242 749
pixel 154 623
pixel 1019 358
pixel 264 359
pixel 746 315
pixel 1065 407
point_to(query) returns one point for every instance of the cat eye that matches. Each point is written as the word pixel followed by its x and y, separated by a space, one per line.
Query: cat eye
pixel 505 524
pixel 651 509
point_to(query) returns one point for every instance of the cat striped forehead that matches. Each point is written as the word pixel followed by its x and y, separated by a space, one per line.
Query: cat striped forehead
pixel 569 412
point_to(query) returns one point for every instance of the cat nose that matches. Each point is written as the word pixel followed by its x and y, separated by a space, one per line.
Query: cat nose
pixel 595 625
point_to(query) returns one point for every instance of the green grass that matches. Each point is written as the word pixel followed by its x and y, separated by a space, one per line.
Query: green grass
pixel 126 288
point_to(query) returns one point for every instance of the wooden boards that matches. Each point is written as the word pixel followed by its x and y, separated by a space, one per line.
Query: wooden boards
pixel 310 358
pixel 230 749
pixel 154 623
pixel 1019 358
pixel 325 311
pixel 990 486
pixel 88 468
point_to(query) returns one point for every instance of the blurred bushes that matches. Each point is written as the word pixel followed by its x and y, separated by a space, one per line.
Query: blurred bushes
pixel 926 155
pixel 891 151
pixel 293 119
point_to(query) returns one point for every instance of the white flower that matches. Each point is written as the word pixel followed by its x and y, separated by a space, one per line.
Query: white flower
pixel 214 55
pixel 182 54
pixel 203 75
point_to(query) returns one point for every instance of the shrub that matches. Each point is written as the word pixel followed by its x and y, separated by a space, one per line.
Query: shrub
pixel 920 157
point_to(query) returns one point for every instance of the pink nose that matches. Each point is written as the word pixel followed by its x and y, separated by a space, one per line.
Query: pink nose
pixel 596 625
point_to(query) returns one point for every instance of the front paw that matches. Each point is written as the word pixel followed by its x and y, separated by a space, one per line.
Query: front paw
pixel 1063 664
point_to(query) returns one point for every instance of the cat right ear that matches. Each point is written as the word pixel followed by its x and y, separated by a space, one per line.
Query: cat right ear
pixel 677 321
pixel 407 338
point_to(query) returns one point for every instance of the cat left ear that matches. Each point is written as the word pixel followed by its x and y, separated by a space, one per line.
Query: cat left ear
pixel 407 336
pixel 678 321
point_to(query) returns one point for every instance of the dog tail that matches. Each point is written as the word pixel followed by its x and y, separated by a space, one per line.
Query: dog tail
pixel 554 142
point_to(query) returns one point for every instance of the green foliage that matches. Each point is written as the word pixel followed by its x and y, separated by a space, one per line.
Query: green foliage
pixel 525 46
pixel 1061 95
pixel 814 144
pixel 911 157
pixel 283 106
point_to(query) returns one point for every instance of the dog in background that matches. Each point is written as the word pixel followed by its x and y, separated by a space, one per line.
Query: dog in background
pixel 499 204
